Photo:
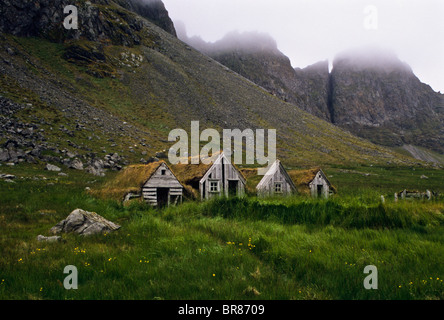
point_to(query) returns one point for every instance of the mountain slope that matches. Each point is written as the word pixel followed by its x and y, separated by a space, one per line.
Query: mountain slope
pixel 369 92
pixel 256 57
pixel 91 99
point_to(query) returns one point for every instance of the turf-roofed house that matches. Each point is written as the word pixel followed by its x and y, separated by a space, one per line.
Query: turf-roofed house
pixel 205 181
pixel 162 188
pixel 276 182
pixel 313 182
pixel 154 182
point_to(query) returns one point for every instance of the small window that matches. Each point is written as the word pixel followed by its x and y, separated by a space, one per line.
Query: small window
pixel 163 172
pixel 214 186
pixel 278 187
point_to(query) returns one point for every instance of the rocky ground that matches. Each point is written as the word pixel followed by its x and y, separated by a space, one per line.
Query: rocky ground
pixel 27 142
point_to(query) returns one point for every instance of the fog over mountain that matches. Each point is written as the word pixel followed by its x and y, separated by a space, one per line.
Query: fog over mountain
pixel 372 57
pixel 369 90
pixel 311 31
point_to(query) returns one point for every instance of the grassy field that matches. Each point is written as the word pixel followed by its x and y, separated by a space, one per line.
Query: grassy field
pixel 292 248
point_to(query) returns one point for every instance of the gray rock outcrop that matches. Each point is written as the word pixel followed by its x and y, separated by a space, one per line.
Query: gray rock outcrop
pixel 153 10
pixel 51 167
pixel 44 18
pixel 76 164
pixel 96 168
pixel 84 223
pixel 378 97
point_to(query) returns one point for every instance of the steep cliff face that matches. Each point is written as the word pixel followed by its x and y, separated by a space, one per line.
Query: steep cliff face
pixel 31 18
pixel 378 97
pixel 97 21
pixel 153 10
pixel 256 57
pixel 312 85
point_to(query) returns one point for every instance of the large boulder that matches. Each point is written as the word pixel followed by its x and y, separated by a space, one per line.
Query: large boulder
pixel 84 223
pixel 51 167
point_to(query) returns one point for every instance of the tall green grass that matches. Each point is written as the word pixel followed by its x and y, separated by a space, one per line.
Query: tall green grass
pixel 321 212
pixel 275 248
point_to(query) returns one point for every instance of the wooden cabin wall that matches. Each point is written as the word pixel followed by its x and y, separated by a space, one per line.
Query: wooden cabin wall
pixel 319 180
pixel 222 173
pixel 269 188
pixel 159 180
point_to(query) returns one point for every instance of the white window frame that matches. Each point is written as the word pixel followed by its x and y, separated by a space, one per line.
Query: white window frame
pixel 211 188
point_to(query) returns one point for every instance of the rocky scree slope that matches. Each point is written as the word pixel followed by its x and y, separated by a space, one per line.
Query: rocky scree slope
pixel 256 57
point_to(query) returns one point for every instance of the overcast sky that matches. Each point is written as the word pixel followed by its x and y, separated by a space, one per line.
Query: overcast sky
pixel 308 31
